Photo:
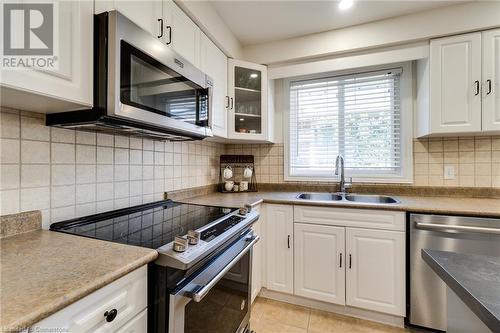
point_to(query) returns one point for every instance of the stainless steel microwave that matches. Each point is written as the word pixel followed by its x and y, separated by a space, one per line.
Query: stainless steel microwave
pixel 141 87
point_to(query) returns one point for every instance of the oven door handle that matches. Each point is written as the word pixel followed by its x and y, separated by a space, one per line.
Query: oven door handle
pixel 464 228
pixel 198 295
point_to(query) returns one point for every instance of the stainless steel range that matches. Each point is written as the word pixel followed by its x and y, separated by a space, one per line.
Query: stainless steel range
pixel 201 279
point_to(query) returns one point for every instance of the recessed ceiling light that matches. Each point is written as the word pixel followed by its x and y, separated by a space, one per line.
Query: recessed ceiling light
pixel 254 75
pixel 242 119
pixel 345 4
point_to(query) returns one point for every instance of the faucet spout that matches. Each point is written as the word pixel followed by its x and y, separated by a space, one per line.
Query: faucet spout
pixel 339 168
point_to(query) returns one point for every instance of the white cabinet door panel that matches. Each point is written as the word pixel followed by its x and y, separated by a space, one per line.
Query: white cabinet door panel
pixel 279 251
pixel 214 63
pixel 181 33
pixel 375 271
pixel 319 262
pixel 143 13
pixel 491 80
pixel 72 80
pixel 455 79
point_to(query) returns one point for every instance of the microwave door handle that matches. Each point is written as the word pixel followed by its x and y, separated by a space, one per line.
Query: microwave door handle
pixel 198 296
pixel 463 228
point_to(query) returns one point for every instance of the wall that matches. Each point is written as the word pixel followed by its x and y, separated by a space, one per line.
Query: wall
pixel 210 22
pixel 438 22
pixel 476 161
pixel 67 173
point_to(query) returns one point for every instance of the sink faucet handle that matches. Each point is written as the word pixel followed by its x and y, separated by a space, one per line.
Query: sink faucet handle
pixel 348 184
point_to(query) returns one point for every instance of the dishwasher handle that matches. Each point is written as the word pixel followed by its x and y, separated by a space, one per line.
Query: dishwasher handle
pixel 463 228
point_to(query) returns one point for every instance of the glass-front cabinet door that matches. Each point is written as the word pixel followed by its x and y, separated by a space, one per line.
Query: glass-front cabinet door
pixel 247 102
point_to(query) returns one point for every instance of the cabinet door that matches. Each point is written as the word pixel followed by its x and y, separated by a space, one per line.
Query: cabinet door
pixel 71 82
pixel 455 80
pixel 214 63
pixel 248 108
pixel 279 252
pixel 491 80
pixel 145 14
pixel 319 262
pixel 375 271
pixel 181 33
pixel 257 257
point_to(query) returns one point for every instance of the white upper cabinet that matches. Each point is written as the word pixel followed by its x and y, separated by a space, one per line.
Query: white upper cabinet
pixel 458 86
pixel 67 87
pixel 491 80
pixel 181 33
pixel 214 63
pixel 375 270
pixel 279 251
pixel 145 14
pixel 319 262
pixel 455 83
pixel 248 104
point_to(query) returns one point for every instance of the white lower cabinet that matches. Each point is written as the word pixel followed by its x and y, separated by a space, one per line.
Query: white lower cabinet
pixel 118 307
pixel 257 259
pixel 375 271
pixel 319 262
pixel 138 324
pixel 352 257
pixel 279 251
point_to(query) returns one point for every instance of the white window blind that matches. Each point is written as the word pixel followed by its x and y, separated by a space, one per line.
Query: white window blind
pixel 358 116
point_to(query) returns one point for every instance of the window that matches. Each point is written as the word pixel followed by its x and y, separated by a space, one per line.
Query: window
pixel 359 116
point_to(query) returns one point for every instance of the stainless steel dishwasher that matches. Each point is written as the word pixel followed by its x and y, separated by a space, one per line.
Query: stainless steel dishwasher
pixel 446 233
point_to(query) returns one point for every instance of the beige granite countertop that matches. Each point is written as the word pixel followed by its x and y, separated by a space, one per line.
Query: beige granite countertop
pixel 420 204
pixel 43 271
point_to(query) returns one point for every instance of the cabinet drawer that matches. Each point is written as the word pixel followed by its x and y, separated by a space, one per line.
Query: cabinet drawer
pixel 128 295
pixel 139 324
pixel 362 218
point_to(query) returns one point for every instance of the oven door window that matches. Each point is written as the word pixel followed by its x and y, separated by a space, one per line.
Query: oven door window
pixel 225 306
pixel 151 86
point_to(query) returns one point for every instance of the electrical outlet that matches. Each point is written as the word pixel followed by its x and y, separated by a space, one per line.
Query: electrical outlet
pixel 449 172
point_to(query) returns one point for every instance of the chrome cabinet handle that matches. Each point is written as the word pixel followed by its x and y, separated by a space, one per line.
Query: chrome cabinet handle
pixel 169 28
pixel 340 261
pixel 232 103
pixel 433 226
pixel 489 87
pixel 477 88
pixel 161 27
pixel 227 102
pixel 200 294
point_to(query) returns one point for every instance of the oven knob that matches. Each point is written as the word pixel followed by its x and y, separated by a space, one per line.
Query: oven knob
pixel 180 244
pixel 193 237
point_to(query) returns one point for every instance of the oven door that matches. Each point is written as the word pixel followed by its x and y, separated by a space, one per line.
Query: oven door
pixel 217 300
pixel 150 83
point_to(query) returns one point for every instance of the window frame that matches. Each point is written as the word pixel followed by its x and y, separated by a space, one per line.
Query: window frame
pixel 406 94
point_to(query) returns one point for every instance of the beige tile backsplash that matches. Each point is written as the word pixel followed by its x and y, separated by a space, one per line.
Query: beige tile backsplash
pixel 476 161
pixel 66 173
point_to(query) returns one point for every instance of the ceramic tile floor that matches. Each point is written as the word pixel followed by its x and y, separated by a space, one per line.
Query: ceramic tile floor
pixel 269 316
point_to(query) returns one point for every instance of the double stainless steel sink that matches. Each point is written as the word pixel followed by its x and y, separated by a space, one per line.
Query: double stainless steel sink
pixel 360 198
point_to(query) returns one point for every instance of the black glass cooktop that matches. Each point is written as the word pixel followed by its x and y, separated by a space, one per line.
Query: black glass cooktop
pixel 150 225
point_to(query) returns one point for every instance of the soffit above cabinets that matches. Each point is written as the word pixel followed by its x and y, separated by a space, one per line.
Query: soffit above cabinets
pixel 255 22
